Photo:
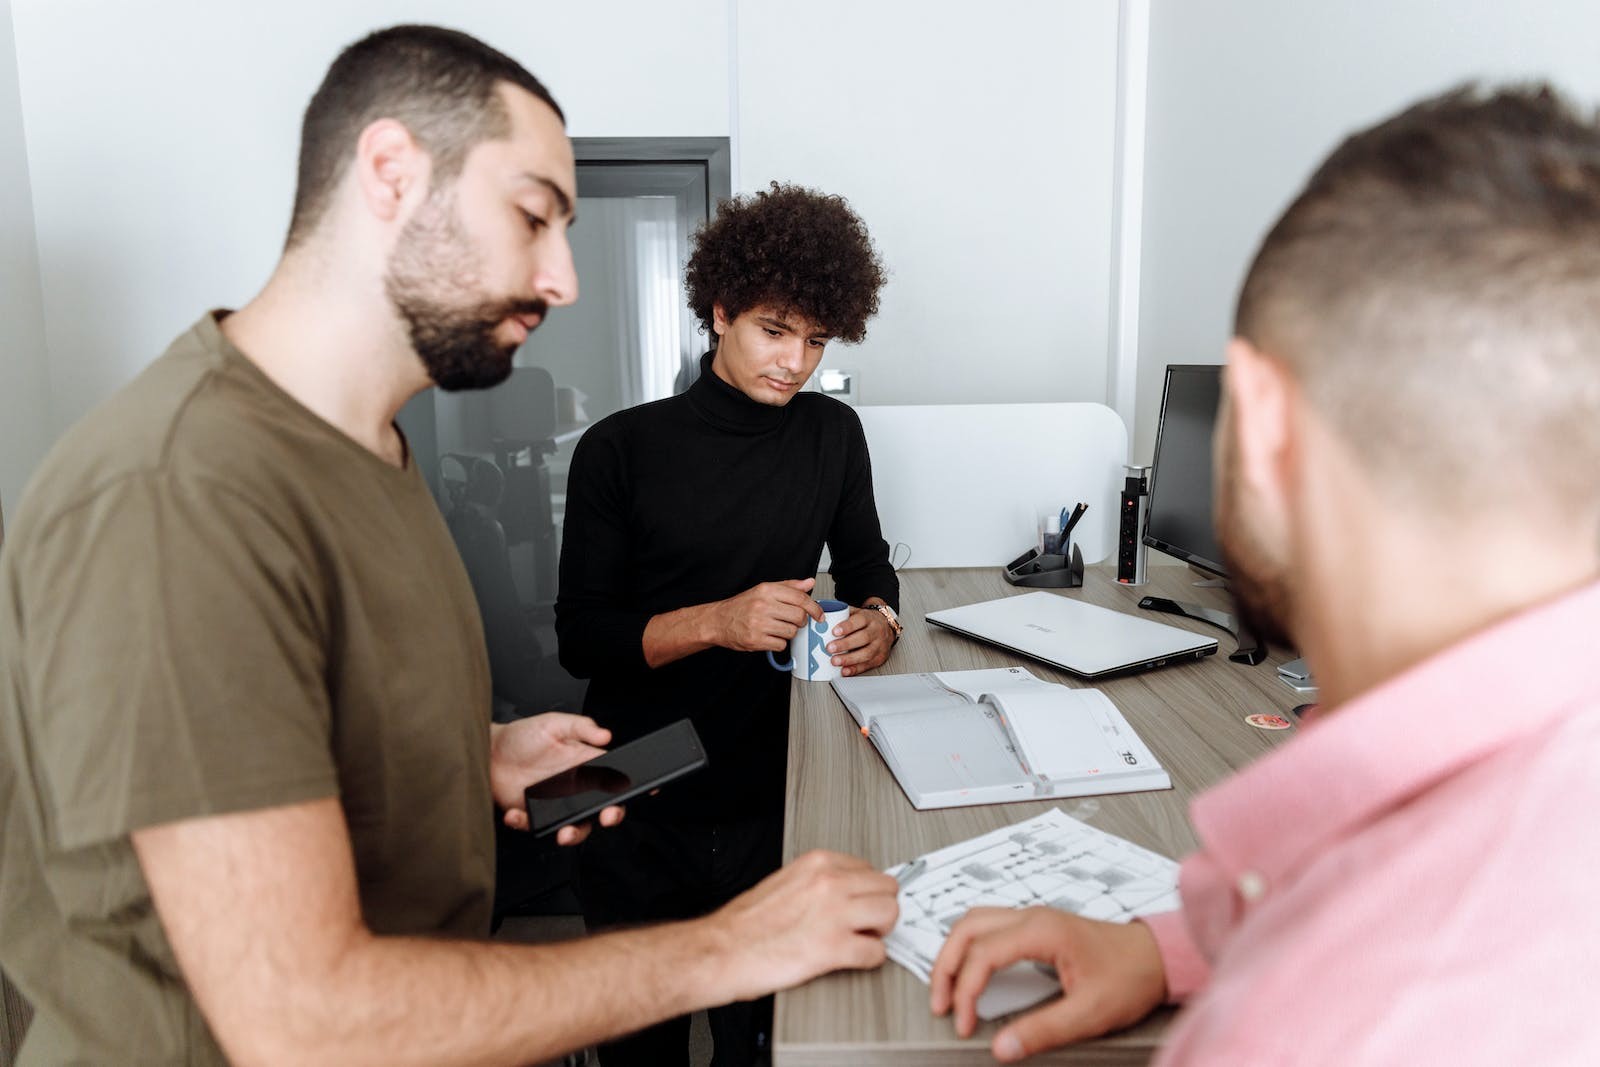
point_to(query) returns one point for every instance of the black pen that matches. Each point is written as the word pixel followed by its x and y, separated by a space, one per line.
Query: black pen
pixel 1077 513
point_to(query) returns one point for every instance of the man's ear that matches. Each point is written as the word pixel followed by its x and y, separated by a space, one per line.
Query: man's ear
pixel 1258 392
pixel 719 319
pixel 392 170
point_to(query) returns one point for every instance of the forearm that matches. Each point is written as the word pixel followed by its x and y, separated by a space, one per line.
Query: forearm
pixel 401 1001
pixel 673 635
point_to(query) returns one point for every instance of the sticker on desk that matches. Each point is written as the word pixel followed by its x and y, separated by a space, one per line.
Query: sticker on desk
pixel 1268 722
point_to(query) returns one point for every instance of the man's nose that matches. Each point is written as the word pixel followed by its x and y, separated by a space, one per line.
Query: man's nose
pixel 792 357
pixel 555 278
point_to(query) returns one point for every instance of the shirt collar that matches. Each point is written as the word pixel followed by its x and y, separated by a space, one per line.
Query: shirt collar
pixel 1502 684
pixel 726 408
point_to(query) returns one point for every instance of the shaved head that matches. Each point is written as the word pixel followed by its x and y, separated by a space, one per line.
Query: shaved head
pixel 1435 290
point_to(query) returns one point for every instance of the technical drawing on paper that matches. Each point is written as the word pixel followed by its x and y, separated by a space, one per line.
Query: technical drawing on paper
pixel 1051 859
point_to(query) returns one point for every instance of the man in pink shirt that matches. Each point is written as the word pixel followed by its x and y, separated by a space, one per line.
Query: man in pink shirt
pixel 1409 484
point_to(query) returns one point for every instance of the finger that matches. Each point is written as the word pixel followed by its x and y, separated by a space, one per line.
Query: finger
pixel 969 984
pixel 854 623
pixel 875 914
pixel 790 615
pixel 988 953
pixel 1060 1023
pixel 516 819
pixel 976 923
pixel 805 585
pixel 574 834
pixel 864 952
pixel 866 660
pixel 589 732
pixel 852 643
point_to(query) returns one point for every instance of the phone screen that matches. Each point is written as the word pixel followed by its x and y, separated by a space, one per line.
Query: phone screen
pixel 613 777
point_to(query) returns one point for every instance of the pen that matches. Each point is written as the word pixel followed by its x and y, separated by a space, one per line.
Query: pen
pixel 1077 513
pixel 910 871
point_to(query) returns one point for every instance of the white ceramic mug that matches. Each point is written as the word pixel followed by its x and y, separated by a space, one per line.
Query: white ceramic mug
pixel 808 649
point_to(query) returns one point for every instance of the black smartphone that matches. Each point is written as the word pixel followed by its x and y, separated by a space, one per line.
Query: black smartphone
pixel 612 777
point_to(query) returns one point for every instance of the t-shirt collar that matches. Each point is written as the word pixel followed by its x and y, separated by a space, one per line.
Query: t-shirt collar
pixel 726 408
pixel 1504 683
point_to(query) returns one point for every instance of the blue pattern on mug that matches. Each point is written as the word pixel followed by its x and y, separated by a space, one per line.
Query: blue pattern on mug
pixel 816 644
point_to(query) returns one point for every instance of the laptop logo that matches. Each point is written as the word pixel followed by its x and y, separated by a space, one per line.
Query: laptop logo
pixel 1041 629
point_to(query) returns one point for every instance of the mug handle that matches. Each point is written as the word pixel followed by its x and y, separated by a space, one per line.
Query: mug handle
pixel 780 666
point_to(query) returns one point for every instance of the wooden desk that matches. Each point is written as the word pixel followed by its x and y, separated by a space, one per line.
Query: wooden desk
pixel 841 796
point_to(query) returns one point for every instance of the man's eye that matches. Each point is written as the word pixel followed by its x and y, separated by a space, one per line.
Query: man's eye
pixel 535 223
pixel 771 332
pixel 814 343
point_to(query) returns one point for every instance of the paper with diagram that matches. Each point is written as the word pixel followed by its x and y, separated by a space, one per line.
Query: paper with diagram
pixel 1051 859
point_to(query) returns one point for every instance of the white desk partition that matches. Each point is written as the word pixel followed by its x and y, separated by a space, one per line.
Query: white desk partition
pixel 963 484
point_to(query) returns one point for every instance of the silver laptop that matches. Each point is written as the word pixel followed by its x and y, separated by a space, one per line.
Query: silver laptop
pixel 1083 639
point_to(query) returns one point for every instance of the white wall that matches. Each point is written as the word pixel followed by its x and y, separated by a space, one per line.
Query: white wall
pixel 24 375
pixel 976 142
pixel 162 138
pixel 1247 96
pixel 160 144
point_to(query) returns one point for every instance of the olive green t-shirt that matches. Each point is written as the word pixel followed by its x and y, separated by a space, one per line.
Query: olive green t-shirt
pixel 212 601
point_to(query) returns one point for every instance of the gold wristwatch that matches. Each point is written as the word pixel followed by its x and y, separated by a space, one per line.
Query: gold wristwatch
pixel 894 620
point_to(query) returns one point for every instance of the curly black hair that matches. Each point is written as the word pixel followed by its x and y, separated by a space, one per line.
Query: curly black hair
pixel 793 249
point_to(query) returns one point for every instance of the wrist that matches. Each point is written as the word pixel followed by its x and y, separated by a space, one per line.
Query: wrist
pixel 890 617
pixel 715 964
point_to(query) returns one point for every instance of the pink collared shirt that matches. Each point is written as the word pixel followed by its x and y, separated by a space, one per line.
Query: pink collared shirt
pixel 1416 878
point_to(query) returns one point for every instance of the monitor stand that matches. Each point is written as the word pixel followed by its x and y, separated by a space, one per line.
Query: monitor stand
pixel 1249 649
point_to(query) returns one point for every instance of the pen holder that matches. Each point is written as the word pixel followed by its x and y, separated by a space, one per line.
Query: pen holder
pixel 1039 570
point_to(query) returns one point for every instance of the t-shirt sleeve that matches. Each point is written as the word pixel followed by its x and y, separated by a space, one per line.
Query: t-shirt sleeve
pixel 595 629
pixel 860 556
pixel 176 645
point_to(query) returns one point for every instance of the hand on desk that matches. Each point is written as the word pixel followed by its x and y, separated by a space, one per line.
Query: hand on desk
pixel 1111 974
pixel 533 749
pixel 823 912
pixel 861 642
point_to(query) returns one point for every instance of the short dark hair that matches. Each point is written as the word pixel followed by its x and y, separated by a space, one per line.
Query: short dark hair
pixel 1435 290
pixel 441 84
pixel 790 248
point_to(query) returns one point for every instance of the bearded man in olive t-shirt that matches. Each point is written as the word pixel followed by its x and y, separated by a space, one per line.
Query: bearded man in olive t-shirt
pixel 247 770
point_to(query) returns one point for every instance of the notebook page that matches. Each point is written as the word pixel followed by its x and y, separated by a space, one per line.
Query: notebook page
pixel 945 749
pixel 1073 733
pixel 973 684
pixel 873 695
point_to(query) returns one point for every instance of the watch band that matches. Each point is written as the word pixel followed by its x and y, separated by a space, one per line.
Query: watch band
pixel 894 620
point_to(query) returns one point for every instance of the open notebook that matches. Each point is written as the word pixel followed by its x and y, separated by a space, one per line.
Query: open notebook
pixel 959 738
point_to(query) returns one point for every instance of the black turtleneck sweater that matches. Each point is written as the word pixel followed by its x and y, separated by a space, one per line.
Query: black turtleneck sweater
pixel 691 500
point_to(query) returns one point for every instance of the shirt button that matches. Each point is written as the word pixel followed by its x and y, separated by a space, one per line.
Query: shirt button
pixel 1252 887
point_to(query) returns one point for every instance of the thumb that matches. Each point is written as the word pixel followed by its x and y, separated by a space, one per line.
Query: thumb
pixel 1056 1024
pixel 802 584
pixel 590 732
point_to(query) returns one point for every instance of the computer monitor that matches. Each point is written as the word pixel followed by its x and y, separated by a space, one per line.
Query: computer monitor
pixel 1178 515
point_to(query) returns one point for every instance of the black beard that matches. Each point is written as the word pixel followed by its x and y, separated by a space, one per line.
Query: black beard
pixel 454 339
pixel 457 345
pixel 1261 604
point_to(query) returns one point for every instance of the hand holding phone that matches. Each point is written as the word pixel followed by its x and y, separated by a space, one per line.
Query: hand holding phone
pixel 610 778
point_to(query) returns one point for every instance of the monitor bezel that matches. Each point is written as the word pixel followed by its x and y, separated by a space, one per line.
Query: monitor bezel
pixel 1194 559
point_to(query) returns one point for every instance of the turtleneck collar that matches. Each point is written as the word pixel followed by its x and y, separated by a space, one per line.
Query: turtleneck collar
pixel 726 408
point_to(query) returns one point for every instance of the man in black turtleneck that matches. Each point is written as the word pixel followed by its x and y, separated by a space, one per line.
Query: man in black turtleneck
pixel 694 527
